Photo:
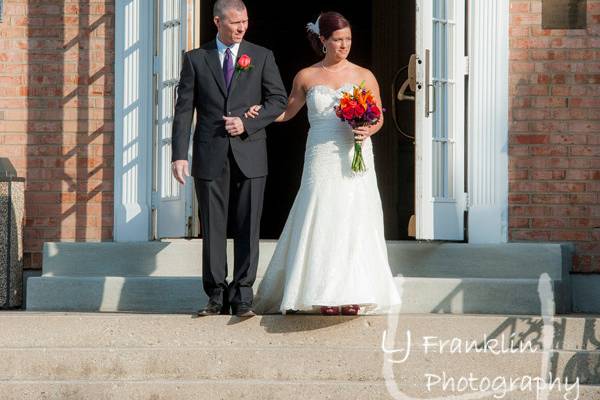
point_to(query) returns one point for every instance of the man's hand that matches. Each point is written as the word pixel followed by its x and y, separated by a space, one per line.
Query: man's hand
pixel 253 111
pixel 180 170
pixel 234 125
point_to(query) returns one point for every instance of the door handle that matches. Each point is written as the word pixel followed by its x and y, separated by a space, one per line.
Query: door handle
pixel 428 84
pixel 432 86
pixel 401 94
pixel 411 81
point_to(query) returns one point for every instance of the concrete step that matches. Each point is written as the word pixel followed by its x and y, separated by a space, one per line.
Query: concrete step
pixel 185 294
pixel 180 257
pixel 223 389
pixel 133 356
pixel 124 330
pixel 433 277
pixel 351 363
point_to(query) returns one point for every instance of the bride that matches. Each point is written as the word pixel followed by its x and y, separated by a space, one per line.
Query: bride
pixel 331 256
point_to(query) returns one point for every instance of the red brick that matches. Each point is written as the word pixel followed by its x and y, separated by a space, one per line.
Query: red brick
pixel 584 223
pixel 518 223
pixel 576 54
pixel 582 174
pixel 526 19
pixel 528 234
pixel 518 198
pixel 580 163
pixel 531 113
pixel 549 223
pixel 530 139
pixel 518 174
pixel 516 31
pixel 568 139
pixel 545 54
pixel 579 150
pixel 570 211
pixel 565 187
pixel 579 198
pixel 519 54
pixel 519 6
pixel 548 150
pixel 528 211
pixel 548 102
pixel 570 235
pixel 549 126
pixel 584 126
pixel 548 174
pixel 533 90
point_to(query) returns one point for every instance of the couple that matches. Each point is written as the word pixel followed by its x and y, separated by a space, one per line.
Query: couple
pixel 331 256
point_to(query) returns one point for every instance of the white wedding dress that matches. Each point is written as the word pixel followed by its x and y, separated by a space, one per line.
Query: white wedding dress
pixel 332 249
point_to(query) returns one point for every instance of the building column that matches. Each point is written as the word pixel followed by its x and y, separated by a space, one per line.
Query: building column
pixel 487 139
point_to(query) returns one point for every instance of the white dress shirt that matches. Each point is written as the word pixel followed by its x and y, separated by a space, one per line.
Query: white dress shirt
pixel 221 47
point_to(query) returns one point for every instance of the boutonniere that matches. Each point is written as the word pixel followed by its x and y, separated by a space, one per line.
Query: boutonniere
pixel 244 63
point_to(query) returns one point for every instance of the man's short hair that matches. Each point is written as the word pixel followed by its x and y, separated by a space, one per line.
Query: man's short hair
pixel 221 6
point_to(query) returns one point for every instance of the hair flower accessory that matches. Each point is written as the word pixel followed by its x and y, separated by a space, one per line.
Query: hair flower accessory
pixel 314 27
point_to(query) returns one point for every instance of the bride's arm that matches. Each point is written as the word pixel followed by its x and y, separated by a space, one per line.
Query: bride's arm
pixel 373 86
pixel 296 101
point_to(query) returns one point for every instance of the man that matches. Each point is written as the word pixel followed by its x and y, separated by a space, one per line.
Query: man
pixel 221 80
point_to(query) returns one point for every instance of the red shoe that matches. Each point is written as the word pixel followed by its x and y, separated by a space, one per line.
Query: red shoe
pixel 350 309
pixel 327 310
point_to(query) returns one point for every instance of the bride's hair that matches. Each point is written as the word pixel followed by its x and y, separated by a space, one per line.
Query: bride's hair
pixel 328 22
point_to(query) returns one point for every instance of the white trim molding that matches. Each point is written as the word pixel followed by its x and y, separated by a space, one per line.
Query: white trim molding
pixel 488 121
pixel 133 120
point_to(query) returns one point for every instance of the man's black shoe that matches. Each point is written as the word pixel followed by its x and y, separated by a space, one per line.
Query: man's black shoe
pixel 211 308
pixel 244 310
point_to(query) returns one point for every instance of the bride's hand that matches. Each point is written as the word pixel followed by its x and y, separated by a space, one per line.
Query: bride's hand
pixel 253 111
pixel 362 132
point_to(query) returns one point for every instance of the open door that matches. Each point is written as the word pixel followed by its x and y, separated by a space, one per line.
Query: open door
pixel 171 201
pixel 440 198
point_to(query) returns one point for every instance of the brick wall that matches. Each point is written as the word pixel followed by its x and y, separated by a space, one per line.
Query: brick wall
pixel 554 152
pixel 56 116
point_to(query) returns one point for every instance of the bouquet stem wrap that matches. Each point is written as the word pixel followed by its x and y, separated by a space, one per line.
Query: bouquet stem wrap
pixel 358 163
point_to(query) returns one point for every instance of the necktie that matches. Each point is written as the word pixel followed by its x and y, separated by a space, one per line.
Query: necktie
pixel 227 67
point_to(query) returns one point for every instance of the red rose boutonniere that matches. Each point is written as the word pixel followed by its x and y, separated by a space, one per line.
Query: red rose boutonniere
pixel 244 63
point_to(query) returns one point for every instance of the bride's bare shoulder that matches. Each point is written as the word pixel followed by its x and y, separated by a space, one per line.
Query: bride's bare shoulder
pixel 308 72
pixel 362 72
pixel 305 76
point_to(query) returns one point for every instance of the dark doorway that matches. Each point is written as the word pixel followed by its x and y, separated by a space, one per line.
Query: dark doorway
pixel 383 38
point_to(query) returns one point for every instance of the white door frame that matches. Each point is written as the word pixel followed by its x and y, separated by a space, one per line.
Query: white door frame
pixel 133 121
pixel 439 172
pixel 134 66
pixel 172 205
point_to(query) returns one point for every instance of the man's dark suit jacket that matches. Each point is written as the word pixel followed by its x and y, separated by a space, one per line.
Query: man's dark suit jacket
pixel 202 88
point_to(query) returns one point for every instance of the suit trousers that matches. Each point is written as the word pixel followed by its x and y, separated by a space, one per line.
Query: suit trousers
pixel 235 200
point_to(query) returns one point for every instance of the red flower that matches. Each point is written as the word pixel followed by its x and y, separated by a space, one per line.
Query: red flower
pixel 243 63
pixel 376 112
pixel 359 110
pixel 348 111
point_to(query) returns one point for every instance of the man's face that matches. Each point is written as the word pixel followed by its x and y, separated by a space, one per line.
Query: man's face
pixel 232 27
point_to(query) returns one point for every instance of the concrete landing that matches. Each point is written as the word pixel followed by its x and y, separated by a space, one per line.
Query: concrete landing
pixel 433 277
pixel 153 356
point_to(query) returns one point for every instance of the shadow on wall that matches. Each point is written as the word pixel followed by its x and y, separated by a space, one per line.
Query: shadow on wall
pixel 69 193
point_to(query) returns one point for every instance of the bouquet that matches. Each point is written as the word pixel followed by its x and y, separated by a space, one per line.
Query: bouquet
pixel 358 109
